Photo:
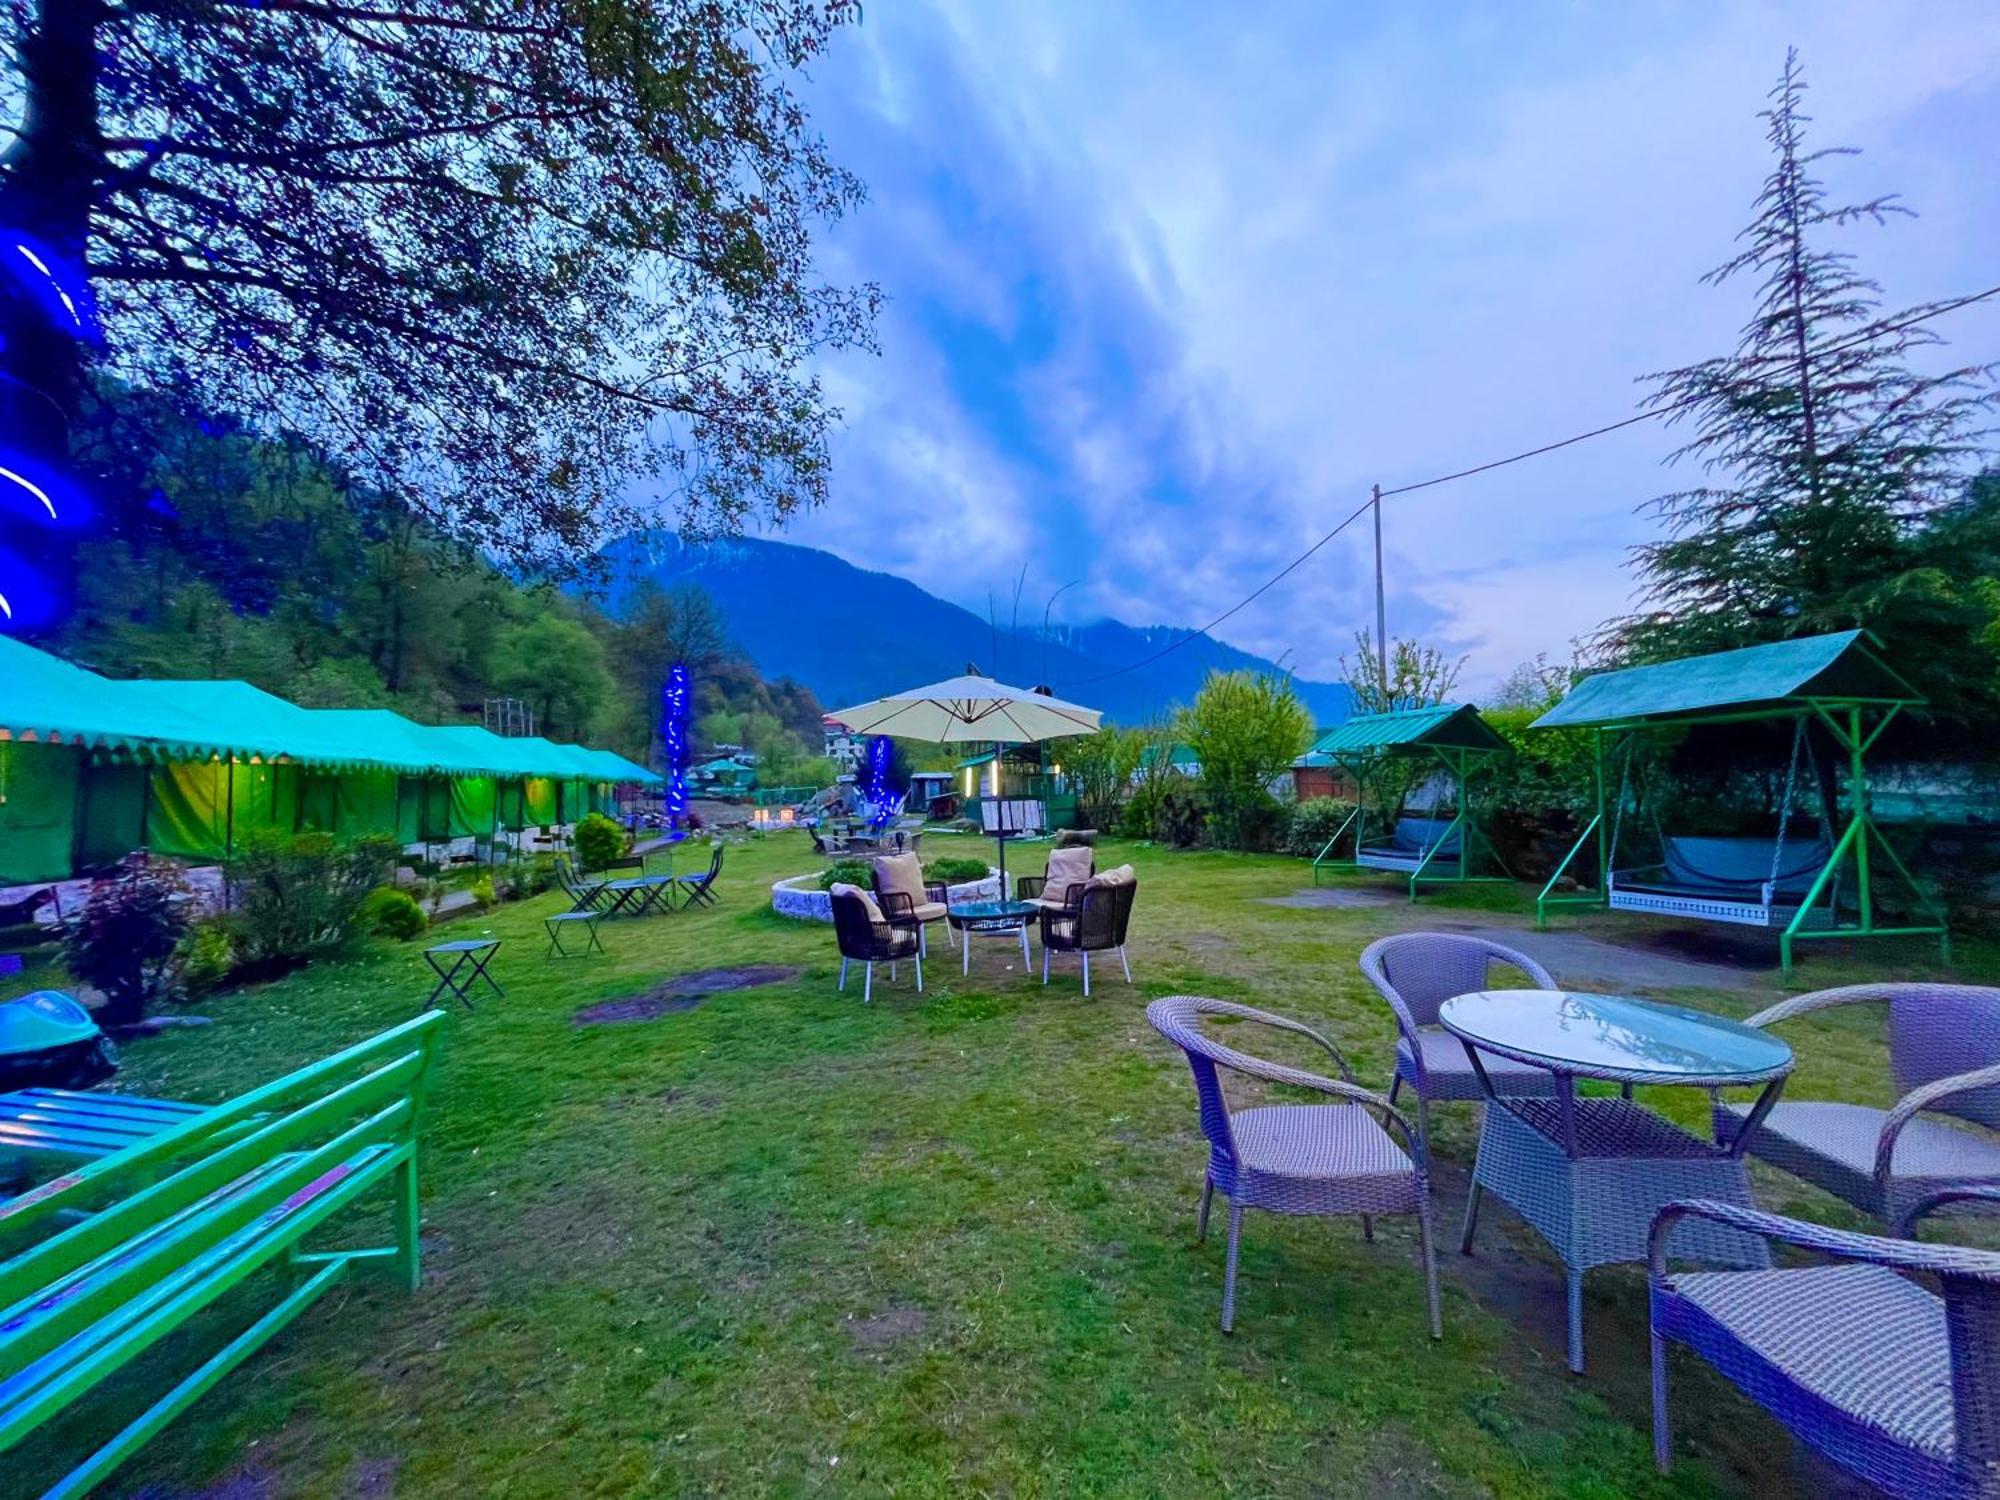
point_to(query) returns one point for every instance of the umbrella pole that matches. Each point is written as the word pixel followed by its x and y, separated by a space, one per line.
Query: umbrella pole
pixel 1001 840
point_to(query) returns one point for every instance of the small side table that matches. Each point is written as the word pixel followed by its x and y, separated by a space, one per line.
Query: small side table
pixel 1001 917
pixel 468 956
pixel 554 924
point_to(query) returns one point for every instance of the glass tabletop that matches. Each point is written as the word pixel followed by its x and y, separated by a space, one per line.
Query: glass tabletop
pixel 986 911
pixel 1587 1034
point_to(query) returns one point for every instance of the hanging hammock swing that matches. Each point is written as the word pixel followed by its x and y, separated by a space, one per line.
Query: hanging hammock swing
pixel 1747 881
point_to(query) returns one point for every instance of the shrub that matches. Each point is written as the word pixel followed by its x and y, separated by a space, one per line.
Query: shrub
pixel 954 871
pixel 598 841
pixel 483 892
pixel 298 895
pixel 859 872
pixel 1314 821
pixel 1244 729
pixel 126 941
pixel 1255 823
pixel 1180 818
pixel 389 912
pixel 207 955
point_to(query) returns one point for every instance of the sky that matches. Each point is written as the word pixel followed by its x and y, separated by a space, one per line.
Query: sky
pixel 1171 285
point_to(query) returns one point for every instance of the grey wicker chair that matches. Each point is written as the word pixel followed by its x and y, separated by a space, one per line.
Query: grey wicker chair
pixel 1944 1054
pixel 1335 1158
pixel 1416 973
pixel 1886 1378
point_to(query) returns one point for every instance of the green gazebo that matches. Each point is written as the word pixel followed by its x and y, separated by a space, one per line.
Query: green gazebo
pixel 1822 886
pixel 1449 740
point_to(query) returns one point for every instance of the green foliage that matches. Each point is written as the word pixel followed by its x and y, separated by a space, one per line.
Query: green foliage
pixel 1245 729
pixel 598 841
pixel 483 892
pixel 1419 675
pixel 1828 466
pixel 207 955
pixel 1181 816
pixel 859 872
pixel 389 912
pixel 1313 822
pixel 1100 766
pixel 126 941
pixel 297 896
pixel 954 871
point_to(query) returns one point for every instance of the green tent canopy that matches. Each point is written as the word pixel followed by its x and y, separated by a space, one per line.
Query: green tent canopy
pixel 46 700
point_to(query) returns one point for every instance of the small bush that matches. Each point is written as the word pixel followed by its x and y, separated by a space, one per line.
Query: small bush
pixel 1180 818
pixel 301 895
pixel 598 841
pixel 127 940
pixel 1314 821
pixel 859 872
pixel 483 892
pixel 207 955
pixel 954 871
pixel 389 912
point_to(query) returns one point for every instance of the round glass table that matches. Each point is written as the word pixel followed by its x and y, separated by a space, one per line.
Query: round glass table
pixel 1590 1173
pixel 1002 917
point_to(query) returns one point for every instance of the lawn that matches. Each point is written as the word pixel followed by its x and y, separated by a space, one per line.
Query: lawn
pixel 782 1243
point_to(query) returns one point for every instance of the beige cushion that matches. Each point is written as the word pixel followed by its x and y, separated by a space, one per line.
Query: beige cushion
pixel 1123 875
pixel 930 911
pixel 1067 867
pixel 900 875
pixel 842 888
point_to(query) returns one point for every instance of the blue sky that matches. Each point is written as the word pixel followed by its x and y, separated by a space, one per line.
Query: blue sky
pixel 1171 285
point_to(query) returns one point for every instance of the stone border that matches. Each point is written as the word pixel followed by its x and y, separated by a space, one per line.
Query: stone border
pixel 799 896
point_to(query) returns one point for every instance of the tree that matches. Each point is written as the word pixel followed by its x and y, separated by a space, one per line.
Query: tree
pixel 1245 729
pixel 1822 452
pixel 1534 686
pixel 1100 767
pixel 556 666
pixel 1419 675
pixel 511 263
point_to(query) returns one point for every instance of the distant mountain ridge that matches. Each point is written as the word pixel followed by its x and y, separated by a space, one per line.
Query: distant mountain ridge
pixel 850 634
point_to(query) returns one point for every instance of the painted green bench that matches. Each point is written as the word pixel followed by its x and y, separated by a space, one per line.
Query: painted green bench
pixel 108 1259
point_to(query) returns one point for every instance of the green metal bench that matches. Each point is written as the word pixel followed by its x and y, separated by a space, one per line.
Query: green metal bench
pixel 113 1256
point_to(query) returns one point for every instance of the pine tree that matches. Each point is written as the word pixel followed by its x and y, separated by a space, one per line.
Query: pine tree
pixel 1822 451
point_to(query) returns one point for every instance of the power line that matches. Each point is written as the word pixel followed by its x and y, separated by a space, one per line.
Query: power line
pixel 1874 330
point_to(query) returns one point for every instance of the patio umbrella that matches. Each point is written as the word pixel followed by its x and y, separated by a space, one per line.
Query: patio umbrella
pixel 971 709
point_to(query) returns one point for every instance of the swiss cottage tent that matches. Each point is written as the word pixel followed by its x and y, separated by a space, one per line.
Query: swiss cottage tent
pixel 93 767
pixel 1836 685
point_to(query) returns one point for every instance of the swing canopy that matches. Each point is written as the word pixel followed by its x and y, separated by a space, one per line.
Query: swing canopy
pixel 1407 731
pixel 1844 669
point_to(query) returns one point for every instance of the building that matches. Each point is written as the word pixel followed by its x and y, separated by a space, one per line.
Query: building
pixel 845 749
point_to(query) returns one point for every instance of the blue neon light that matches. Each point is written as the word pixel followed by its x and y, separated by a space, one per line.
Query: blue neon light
pixel 54 283
pixel 673 740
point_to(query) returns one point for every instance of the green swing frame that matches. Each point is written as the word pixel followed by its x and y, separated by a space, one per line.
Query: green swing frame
pixel 1458 742
pixel 1839 681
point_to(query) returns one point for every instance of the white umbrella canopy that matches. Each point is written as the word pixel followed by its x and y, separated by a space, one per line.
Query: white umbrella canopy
pixel 970 708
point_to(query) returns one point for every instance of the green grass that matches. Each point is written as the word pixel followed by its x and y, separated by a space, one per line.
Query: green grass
pixel 941 1245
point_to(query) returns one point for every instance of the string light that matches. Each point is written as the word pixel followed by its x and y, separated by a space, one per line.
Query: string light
pixel 673 740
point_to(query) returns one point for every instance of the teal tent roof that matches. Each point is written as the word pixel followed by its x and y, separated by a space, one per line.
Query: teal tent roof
pixel 1781 677
pixel 48 700
pixel 1405 731
pixel 253 724
pixel 1177 755
pixel 724 766
pixel 424 747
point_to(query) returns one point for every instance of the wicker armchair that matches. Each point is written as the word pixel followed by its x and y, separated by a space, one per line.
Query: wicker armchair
pixel 906 898
pixel 1093 919
pixel 1889 1380
pixel 1944 1055
pixel 866 936
pixel 1416 972
pixel 1335 1158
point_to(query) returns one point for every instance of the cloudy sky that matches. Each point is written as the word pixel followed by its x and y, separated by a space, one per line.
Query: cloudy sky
pixel 1172 284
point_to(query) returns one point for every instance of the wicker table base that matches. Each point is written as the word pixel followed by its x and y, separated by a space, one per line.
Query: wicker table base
pixel 1595 1208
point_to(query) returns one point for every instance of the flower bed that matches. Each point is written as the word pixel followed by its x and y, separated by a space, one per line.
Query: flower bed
pixel 801 898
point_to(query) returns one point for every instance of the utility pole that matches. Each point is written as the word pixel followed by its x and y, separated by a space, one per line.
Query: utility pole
pixel 1381 606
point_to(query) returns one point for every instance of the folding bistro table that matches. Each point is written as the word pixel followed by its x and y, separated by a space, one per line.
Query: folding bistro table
pixel 469 956
pixel 1591 1173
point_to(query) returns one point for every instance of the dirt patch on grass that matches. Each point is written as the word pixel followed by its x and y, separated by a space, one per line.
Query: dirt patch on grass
pixel 1336 898
pixel 683 992
pixel 886 1329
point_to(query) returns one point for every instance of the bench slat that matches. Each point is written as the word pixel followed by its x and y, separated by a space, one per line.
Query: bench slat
pixel 133 1104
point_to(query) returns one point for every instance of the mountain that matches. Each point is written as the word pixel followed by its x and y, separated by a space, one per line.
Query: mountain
pixel 851 635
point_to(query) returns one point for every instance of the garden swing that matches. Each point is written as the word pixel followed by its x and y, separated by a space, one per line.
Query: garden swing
pixel 1822 886
pixel 1455 744
pixel 1747 881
